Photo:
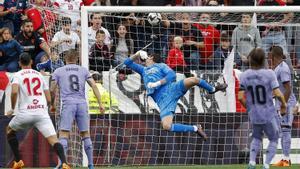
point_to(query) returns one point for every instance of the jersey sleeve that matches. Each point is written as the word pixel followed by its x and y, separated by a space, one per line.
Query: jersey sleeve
pixel 55 76
pixel 87 74
pixel 170 75
pixel 242 82
pixel 273 80
pixel 136 67
pixel 285 75
pixel 15 80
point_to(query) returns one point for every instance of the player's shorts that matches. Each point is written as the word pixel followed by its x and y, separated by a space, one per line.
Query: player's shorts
pixel 169 98
pixel 41 121
pixel 271 129
pixel 77 112
pixel 287 119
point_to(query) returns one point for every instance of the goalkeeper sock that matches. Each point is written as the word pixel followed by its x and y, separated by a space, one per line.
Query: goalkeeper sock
pixel 64 142
pixel 88 148
pixel 14 145
pixel 254 149
pixel 60 152
pixel 271 151
pixel 203 84
pixel 182 128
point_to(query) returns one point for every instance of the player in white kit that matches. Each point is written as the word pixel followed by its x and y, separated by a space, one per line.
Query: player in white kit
pixel 32 93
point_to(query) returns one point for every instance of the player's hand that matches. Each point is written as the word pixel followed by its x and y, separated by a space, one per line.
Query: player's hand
pixel 9 113
pixel 296 109
pixel 153 84
pixel 143 55
pixel 101 108
pixel 283 109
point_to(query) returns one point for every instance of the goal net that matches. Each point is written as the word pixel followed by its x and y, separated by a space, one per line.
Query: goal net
pixel 213 45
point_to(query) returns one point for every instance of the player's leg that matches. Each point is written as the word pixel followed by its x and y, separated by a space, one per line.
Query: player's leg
pixel 19 122
pixel 83 122
pixel 255 145
pixel 272 130
pixel 45 126
pixel 286 128
pixel 193 81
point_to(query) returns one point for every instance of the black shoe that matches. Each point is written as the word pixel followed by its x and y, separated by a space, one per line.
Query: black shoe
pixel 220 87
pixel 201 132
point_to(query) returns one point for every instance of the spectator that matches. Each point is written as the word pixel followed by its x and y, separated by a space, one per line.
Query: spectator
pixel 71 9
pixel 240 3
pixel 211 38
pixel 96 20
pixel 10 50
pixel 175 59
pixel 222 52
pixel 155 3
pixel 43 20
pixel 192 40
pixel 245 37
pixel 123 45
pixel 273 33
pixel 50 65
pixel 12 12
pixel 33 43
pixel 65 39
pixel 100 58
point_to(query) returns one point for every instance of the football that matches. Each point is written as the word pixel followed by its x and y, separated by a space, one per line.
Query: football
pixel 154 18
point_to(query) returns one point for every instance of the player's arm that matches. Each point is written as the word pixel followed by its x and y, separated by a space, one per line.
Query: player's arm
pixel 241 97
pixel 130 63
pixel 53 88
pixel 277 93
pixel 288 90
pixel 13 98
pixel 96 92
pixel 48 97
pixel 170 77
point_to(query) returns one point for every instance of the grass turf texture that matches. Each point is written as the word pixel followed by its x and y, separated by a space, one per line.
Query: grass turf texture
pixel 185 167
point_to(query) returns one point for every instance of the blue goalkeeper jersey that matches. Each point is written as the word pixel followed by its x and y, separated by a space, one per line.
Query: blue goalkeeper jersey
pixel 153 73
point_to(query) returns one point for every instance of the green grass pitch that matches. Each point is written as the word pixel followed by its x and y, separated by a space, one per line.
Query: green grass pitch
pixel 186 167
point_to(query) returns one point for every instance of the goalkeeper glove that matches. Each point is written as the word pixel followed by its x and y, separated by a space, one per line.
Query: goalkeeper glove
pixel 153 84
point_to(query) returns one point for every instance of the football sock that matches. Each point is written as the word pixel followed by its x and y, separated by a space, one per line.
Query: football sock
pixel 64 142
pixel 60 152
pixel 254 148
pixel 271 151
pixel 88 148
pixel 182 128
pixel 14 145
pixel 203 84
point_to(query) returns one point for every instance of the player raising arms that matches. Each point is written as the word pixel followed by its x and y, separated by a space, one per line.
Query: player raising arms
pixel 259 85
pixel 71 80
pixel 161 85
pixel 283 74
pixel 30 88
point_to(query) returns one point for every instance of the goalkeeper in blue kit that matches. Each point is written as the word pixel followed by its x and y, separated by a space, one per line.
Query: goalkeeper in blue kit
pixel 161 85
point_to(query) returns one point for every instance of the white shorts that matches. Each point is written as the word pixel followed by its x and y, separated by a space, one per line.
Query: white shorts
pixel 26 120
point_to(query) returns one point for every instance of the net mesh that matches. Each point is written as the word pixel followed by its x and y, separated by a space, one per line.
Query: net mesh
pixel 132 134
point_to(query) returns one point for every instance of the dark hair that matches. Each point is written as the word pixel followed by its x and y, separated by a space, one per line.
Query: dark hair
pixel 71 55
pixel 25 59
pixel 277 51
pixel 66 21
pixel 97 76
pixel 156 57
pixel 257 58
pixel 26 21
pixel 100 31
pixel 225 36
pixel 93 14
